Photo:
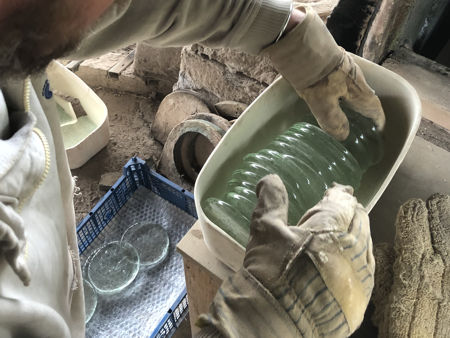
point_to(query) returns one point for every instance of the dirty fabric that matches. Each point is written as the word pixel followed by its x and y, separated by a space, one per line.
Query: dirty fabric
pixel 418 300
pixel 307 280
pixel 37 213
pixel 322 73
pixel 23 163
pixel 247 25
pixel 384 260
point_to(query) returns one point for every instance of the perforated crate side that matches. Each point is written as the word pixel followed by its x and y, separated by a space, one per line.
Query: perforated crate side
pixel 168 325
pixel 173 193
pixel 160 185
pixel 109 205
pixel 139 170
pixel 135 174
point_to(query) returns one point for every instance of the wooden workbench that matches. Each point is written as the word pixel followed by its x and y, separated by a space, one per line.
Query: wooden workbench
pixel 203 272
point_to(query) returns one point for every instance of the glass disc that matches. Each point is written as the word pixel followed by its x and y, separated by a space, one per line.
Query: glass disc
pixel 90 300
pixel 150 240
pixel 113 267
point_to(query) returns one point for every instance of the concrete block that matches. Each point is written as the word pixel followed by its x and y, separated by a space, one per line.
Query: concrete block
pixel 162 64
pixel 256 67
pixel 214 81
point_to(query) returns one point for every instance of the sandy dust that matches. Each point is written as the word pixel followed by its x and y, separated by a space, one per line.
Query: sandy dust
pixel 130 118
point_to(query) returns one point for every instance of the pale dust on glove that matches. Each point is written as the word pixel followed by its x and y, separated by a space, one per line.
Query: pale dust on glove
pixel 342 250
pixel 384 260
pixel 307 280
pixel 322 73
pixel 417 303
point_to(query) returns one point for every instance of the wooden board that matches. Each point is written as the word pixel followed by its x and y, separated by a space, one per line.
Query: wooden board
pixel 203 272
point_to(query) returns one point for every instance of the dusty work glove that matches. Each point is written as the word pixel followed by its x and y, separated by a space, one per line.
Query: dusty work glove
pixel 298 281
pixel 412 296
pixel 322 73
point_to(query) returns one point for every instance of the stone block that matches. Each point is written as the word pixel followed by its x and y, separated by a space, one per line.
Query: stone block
pixel 157 63
pixel 214 80
pixel 256 67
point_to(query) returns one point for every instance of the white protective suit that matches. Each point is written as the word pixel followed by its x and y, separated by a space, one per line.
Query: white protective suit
pixel 37 224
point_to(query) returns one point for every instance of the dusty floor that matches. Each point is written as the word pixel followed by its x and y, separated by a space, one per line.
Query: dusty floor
pixel 130 119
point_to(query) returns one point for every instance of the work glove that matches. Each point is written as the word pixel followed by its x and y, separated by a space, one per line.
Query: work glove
pixel 322 73
pixel 412 292
pixel 308 280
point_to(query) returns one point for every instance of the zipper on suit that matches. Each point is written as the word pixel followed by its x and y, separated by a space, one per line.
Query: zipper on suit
pixel 42 137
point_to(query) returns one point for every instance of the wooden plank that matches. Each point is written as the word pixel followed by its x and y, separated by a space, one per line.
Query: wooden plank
pixel 120 66
pixel 193 246
pixel 203 272
pixel 201 288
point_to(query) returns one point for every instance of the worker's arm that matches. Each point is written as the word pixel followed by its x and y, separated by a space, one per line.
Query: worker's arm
pixel 296 40
pixel 247 25
pixel 313 279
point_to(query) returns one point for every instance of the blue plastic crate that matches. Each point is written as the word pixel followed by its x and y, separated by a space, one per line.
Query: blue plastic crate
pixel 135 174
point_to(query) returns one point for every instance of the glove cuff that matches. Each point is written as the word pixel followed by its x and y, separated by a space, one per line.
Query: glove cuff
pixel 243 307
pixel 306 54
pixel 268 24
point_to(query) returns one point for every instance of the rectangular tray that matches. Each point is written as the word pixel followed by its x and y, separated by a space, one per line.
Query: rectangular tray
pixel 156 301
pixel 274 111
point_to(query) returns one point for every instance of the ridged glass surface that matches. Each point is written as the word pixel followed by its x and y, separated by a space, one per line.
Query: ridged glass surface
pixel 113 267
pixel 307 160
pixel 151 242
pixel 90 300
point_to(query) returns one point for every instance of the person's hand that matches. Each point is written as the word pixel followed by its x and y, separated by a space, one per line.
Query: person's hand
pixel 312 279
pixel 334 235
pixel 322 73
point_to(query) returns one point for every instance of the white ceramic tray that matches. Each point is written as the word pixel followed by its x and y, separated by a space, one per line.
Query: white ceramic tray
pixel 275 110
pixel 85 136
